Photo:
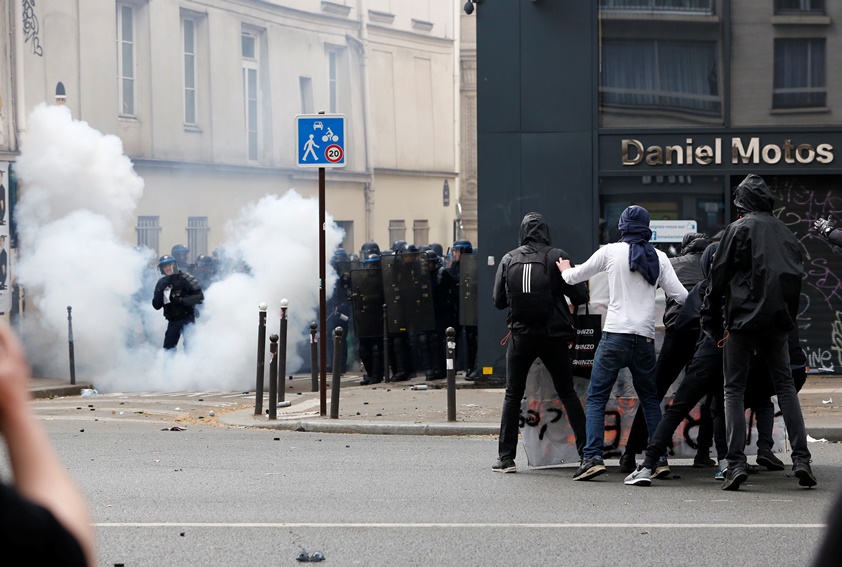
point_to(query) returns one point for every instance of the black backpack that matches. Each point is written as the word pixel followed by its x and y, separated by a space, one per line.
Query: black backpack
pixel 529 288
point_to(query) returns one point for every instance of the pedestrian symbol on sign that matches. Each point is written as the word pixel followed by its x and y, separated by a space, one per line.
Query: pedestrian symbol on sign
pixel 308 149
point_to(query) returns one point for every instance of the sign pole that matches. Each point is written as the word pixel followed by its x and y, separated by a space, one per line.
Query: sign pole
pixel 322 299
pixel 321 144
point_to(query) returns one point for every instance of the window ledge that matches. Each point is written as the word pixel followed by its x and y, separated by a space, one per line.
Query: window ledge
pixel 193 128
pixel 698 18
pixel 381 17
pixel 422 25
pixel 334 8
pixel 127 118
pixel 815 110
pixel 801 20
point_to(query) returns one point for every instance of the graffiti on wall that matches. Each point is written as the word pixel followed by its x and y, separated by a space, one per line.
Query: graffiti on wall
pixel 30 27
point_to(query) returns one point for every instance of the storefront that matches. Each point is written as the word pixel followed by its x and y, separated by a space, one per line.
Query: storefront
pixel 689 176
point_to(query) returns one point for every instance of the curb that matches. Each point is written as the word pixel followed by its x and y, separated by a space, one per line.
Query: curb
pixel 53 391
pixel 327 425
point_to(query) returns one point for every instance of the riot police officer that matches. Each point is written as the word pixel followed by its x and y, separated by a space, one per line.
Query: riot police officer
pixel 339 308
pixel 371 347
pixel 444 298
pixel 459 248
pixel 205 271
pixel 180 252
pixel 178 293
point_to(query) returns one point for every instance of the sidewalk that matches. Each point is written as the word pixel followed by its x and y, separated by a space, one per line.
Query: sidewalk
pixel 398 409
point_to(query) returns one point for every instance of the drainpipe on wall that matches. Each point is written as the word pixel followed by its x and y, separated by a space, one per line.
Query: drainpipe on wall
pixel 20 83
pixel 457 102
pixel 362 44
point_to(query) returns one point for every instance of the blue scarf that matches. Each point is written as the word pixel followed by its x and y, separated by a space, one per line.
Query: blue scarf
pixel 634 227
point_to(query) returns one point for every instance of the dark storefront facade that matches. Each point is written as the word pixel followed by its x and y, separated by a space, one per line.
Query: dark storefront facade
pixel 673 104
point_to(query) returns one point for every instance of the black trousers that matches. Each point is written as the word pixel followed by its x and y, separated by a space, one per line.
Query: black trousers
pixel 676 352
pixel 703 378
pixel 175 328
pixel 771 347
pixel 371 355
pixel 554 353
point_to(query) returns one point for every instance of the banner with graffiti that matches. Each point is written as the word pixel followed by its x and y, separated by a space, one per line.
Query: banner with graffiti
pixel 549 441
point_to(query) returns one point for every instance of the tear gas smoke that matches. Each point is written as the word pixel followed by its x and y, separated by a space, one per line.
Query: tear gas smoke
pixel 78 193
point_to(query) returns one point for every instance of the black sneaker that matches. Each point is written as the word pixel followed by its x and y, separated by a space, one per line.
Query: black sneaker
pixel 589 469
pixel 662 468
pixel 627 463
pixel 703 460
pixel 766 458
pixel 805 474
pixel 504 465
pixel 734 478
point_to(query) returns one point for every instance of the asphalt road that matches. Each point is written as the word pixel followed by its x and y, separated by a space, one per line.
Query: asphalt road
pixel 211 495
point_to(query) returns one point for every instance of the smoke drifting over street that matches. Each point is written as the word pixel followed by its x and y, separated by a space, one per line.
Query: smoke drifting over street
pixel 78 197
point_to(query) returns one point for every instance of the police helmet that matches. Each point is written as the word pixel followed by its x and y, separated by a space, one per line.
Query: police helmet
pixel 165 261
pixel 435 246
pixel 369 248
pixel 205 261
pixel 397 245
pixel 432 256
pixel 339 255
pixel 372 260
pixel 408 249
pixel 179 248
pixel 463 246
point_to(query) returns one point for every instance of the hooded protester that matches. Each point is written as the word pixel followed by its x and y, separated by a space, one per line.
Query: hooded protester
pixel 530 286
pixel 635 269
pixel 676 351
pixel 751 305
pixel 702 378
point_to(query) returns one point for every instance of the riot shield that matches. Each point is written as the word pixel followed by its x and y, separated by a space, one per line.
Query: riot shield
pixel 408 292
pixel 468 289
pixel 367 301
pixel 343 270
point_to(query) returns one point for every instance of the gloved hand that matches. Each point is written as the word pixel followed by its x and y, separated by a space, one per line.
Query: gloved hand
pixel 824 226
pixel 175 301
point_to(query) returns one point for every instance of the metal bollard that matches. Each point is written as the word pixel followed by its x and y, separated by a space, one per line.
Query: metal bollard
pixel 273 373
pixel 70 346
pixel 337 372
pixel 451 374
pixel 314 359
pixel 385 346
pixel 261 359
pixel 282 352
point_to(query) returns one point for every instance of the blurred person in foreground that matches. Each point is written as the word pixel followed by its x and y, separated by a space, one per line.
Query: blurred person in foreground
pixel 44 519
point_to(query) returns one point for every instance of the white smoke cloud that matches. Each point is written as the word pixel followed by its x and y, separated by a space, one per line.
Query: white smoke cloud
pixel 78 193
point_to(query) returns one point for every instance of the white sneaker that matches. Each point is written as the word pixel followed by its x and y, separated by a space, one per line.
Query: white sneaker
pixel 641 477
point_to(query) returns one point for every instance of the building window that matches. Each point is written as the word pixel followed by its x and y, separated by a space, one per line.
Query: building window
pixel 799 6
pixel 197 236
pixel 397 230
pixel 148 232
pixel 126 59
pixel 306 85
pixel 250 96
pixel 331 78
pixel 421 232
pixel 686 6
pixel 188 28
pixel 800 74
pixel 661 74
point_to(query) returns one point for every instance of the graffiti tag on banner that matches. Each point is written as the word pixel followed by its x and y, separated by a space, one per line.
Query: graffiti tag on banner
pixel 549 441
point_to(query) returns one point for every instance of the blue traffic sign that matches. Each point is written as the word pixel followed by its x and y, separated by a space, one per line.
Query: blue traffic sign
pixel 321 140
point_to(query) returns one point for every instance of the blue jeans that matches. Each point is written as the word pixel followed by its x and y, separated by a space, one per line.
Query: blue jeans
pixel 617 351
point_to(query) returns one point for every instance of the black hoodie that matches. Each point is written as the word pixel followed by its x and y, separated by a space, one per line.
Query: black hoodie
pixel 757 268
pixel 534 237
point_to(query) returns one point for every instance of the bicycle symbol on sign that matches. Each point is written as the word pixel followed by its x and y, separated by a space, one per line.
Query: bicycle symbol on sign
pixel 330 136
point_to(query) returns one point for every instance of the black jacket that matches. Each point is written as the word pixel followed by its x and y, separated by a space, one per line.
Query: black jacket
pixel 756 270
pixel 535 236
pixel 689 272
pixel 186 294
